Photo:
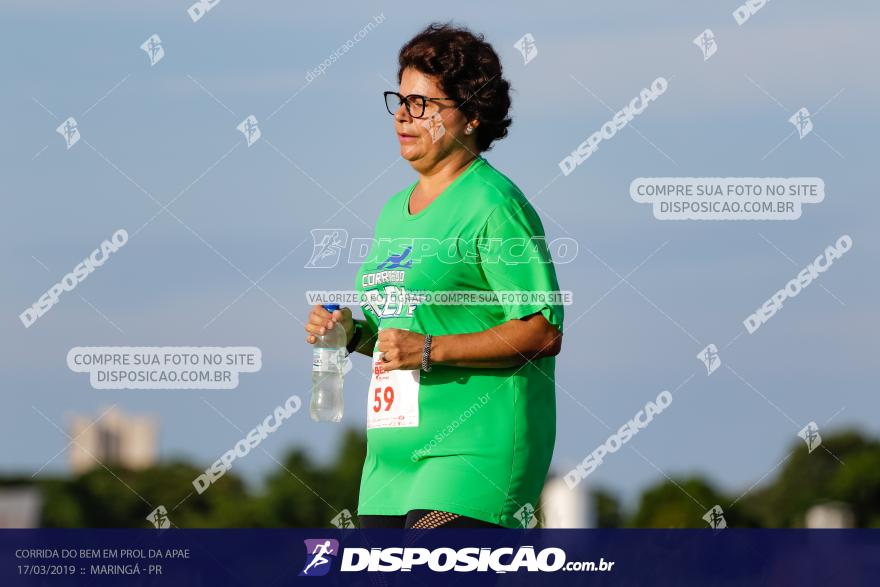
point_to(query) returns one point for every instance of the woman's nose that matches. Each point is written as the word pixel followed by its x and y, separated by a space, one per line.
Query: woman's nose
pixel 402 115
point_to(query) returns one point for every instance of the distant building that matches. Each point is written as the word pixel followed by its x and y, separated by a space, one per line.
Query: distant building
pixel 114 439
pixel 20 507
pixel 562 507
pixel 832 514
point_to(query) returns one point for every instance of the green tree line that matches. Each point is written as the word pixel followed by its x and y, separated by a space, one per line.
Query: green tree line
pixel 300 493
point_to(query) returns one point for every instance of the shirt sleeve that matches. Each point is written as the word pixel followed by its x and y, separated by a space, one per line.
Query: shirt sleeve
pixel 514 258
pixel 370 321
pixel 371 326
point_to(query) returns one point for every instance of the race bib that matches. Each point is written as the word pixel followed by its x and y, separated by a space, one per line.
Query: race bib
pixel 393 401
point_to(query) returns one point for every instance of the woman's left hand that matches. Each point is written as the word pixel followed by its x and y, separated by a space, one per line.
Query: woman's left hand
pixel 402 349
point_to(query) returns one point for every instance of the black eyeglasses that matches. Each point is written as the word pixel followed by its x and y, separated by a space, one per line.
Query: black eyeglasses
pixel 415 103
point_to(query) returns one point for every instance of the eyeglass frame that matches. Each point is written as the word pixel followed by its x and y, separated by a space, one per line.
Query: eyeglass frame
pixel 405 101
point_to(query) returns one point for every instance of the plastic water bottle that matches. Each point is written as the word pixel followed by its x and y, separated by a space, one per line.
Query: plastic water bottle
pixel 327 370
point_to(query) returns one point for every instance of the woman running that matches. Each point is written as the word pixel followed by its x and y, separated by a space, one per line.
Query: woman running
pixel 461 410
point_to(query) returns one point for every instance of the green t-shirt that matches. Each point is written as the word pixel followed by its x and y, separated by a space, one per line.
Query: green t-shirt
pixel 485 436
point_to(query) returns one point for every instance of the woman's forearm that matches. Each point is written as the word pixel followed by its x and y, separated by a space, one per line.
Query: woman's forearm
pixel 507 345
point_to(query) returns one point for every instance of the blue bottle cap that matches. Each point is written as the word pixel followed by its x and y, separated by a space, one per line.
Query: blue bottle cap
pixel 331 307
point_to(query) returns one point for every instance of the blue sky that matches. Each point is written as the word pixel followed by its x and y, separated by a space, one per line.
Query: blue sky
pixel 156 131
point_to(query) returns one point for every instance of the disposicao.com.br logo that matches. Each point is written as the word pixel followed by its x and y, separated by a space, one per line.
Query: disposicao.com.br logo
pixel 320 553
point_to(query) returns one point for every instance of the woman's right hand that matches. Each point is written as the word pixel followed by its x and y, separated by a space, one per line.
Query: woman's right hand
pixel 320 321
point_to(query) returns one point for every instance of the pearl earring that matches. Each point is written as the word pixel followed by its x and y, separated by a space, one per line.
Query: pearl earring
pixel 468 129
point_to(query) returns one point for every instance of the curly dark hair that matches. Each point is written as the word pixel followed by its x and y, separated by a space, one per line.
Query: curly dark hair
pixel 468 70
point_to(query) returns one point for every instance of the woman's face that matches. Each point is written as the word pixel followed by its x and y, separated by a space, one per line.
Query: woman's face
pixel 440 130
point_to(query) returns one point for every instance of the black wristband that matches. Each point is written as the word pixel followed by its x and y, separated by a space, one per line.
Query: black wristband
pixel 355 338
pixel 426 354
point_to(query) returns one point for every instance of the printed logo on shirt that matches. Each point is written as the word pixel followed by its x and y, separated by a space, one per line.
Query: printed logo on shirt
pixel 384 292
pixel 390 301
pixel 394 261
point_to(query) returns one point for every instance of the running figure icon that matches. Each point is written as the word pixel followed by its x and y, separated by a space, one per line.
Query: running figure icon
pixel 318 556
